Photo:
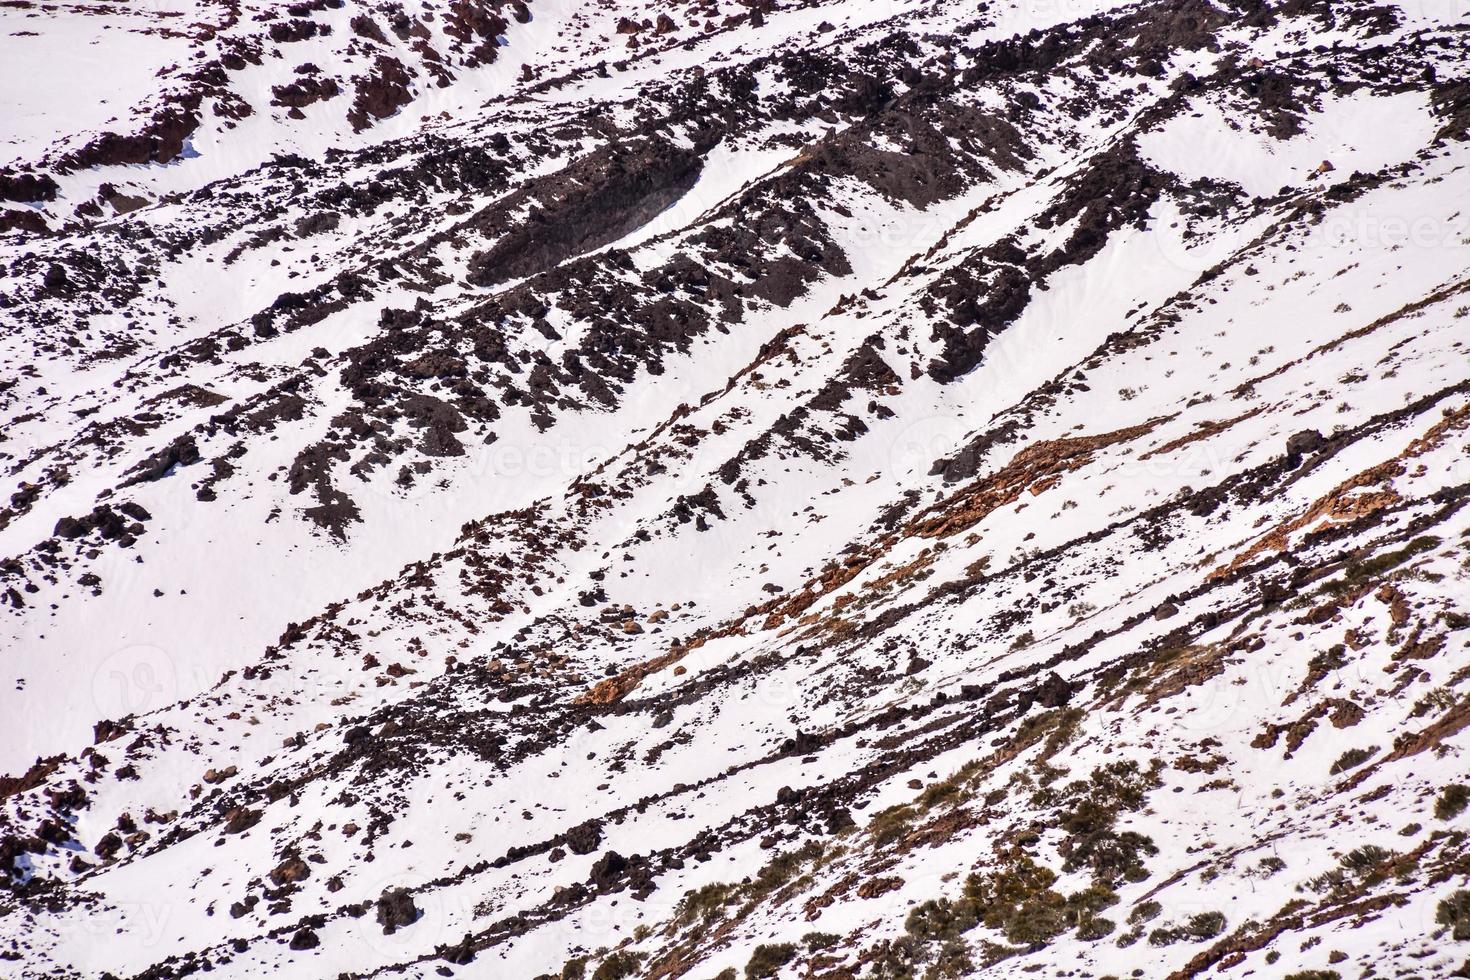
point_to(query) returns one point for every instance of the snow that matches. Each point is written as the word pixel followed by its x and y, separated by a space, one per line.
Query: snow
pixel 1188 360
pixel 1364 132
pixel 75 74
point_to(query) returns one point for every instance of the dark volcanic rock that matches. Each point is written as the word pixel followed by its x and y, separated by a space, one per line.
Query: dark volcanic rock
pixel 183 451
pixel 584 838
pixel 396 909
pixel 160 141
pixel 27 188
pixel 240 819
pixel 380 93
pixel 305 939
pixel 1302 444
pixel 1054 692
pixel 596 200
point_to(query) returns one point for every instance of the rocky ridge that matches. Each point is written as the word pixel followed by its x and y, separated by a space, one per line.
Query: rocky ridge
pixel 834 491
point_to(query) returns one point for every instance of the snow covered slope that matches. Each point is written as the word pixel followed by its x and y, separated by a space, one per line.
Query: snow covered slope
pixel 845 489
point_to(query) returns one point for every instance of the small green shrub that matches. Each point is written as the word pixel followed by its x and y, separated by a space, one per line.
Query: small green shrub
pixel 1267 867
pixel 768 959
pixel 1091 900
pixel 1144 912
pixel 1205 925
pixel 1454 912
pixel 704 904
pixel 1314 975
pixel 937 794
pixel 818 941
pixel 574 969
pixel 1367 863
pixel 1088 810
pixel 711 902
pixel 1016 899
pixel 1198 928
pixel 1375 567
pixel 618 966
pixel 1113 857
pixel 1163 937
pixel 1363 859
pixel 952 962
pixel 1327 661
pixel 1452 801
pixel 781 870
pixel 1351 759
pixel 889 825
pixel 897 959
pixel 941 919
pixel 1019 901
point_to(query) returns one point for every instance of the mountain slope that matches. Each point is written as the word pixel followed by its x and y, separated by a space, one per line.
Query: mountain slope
pixel 835 490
